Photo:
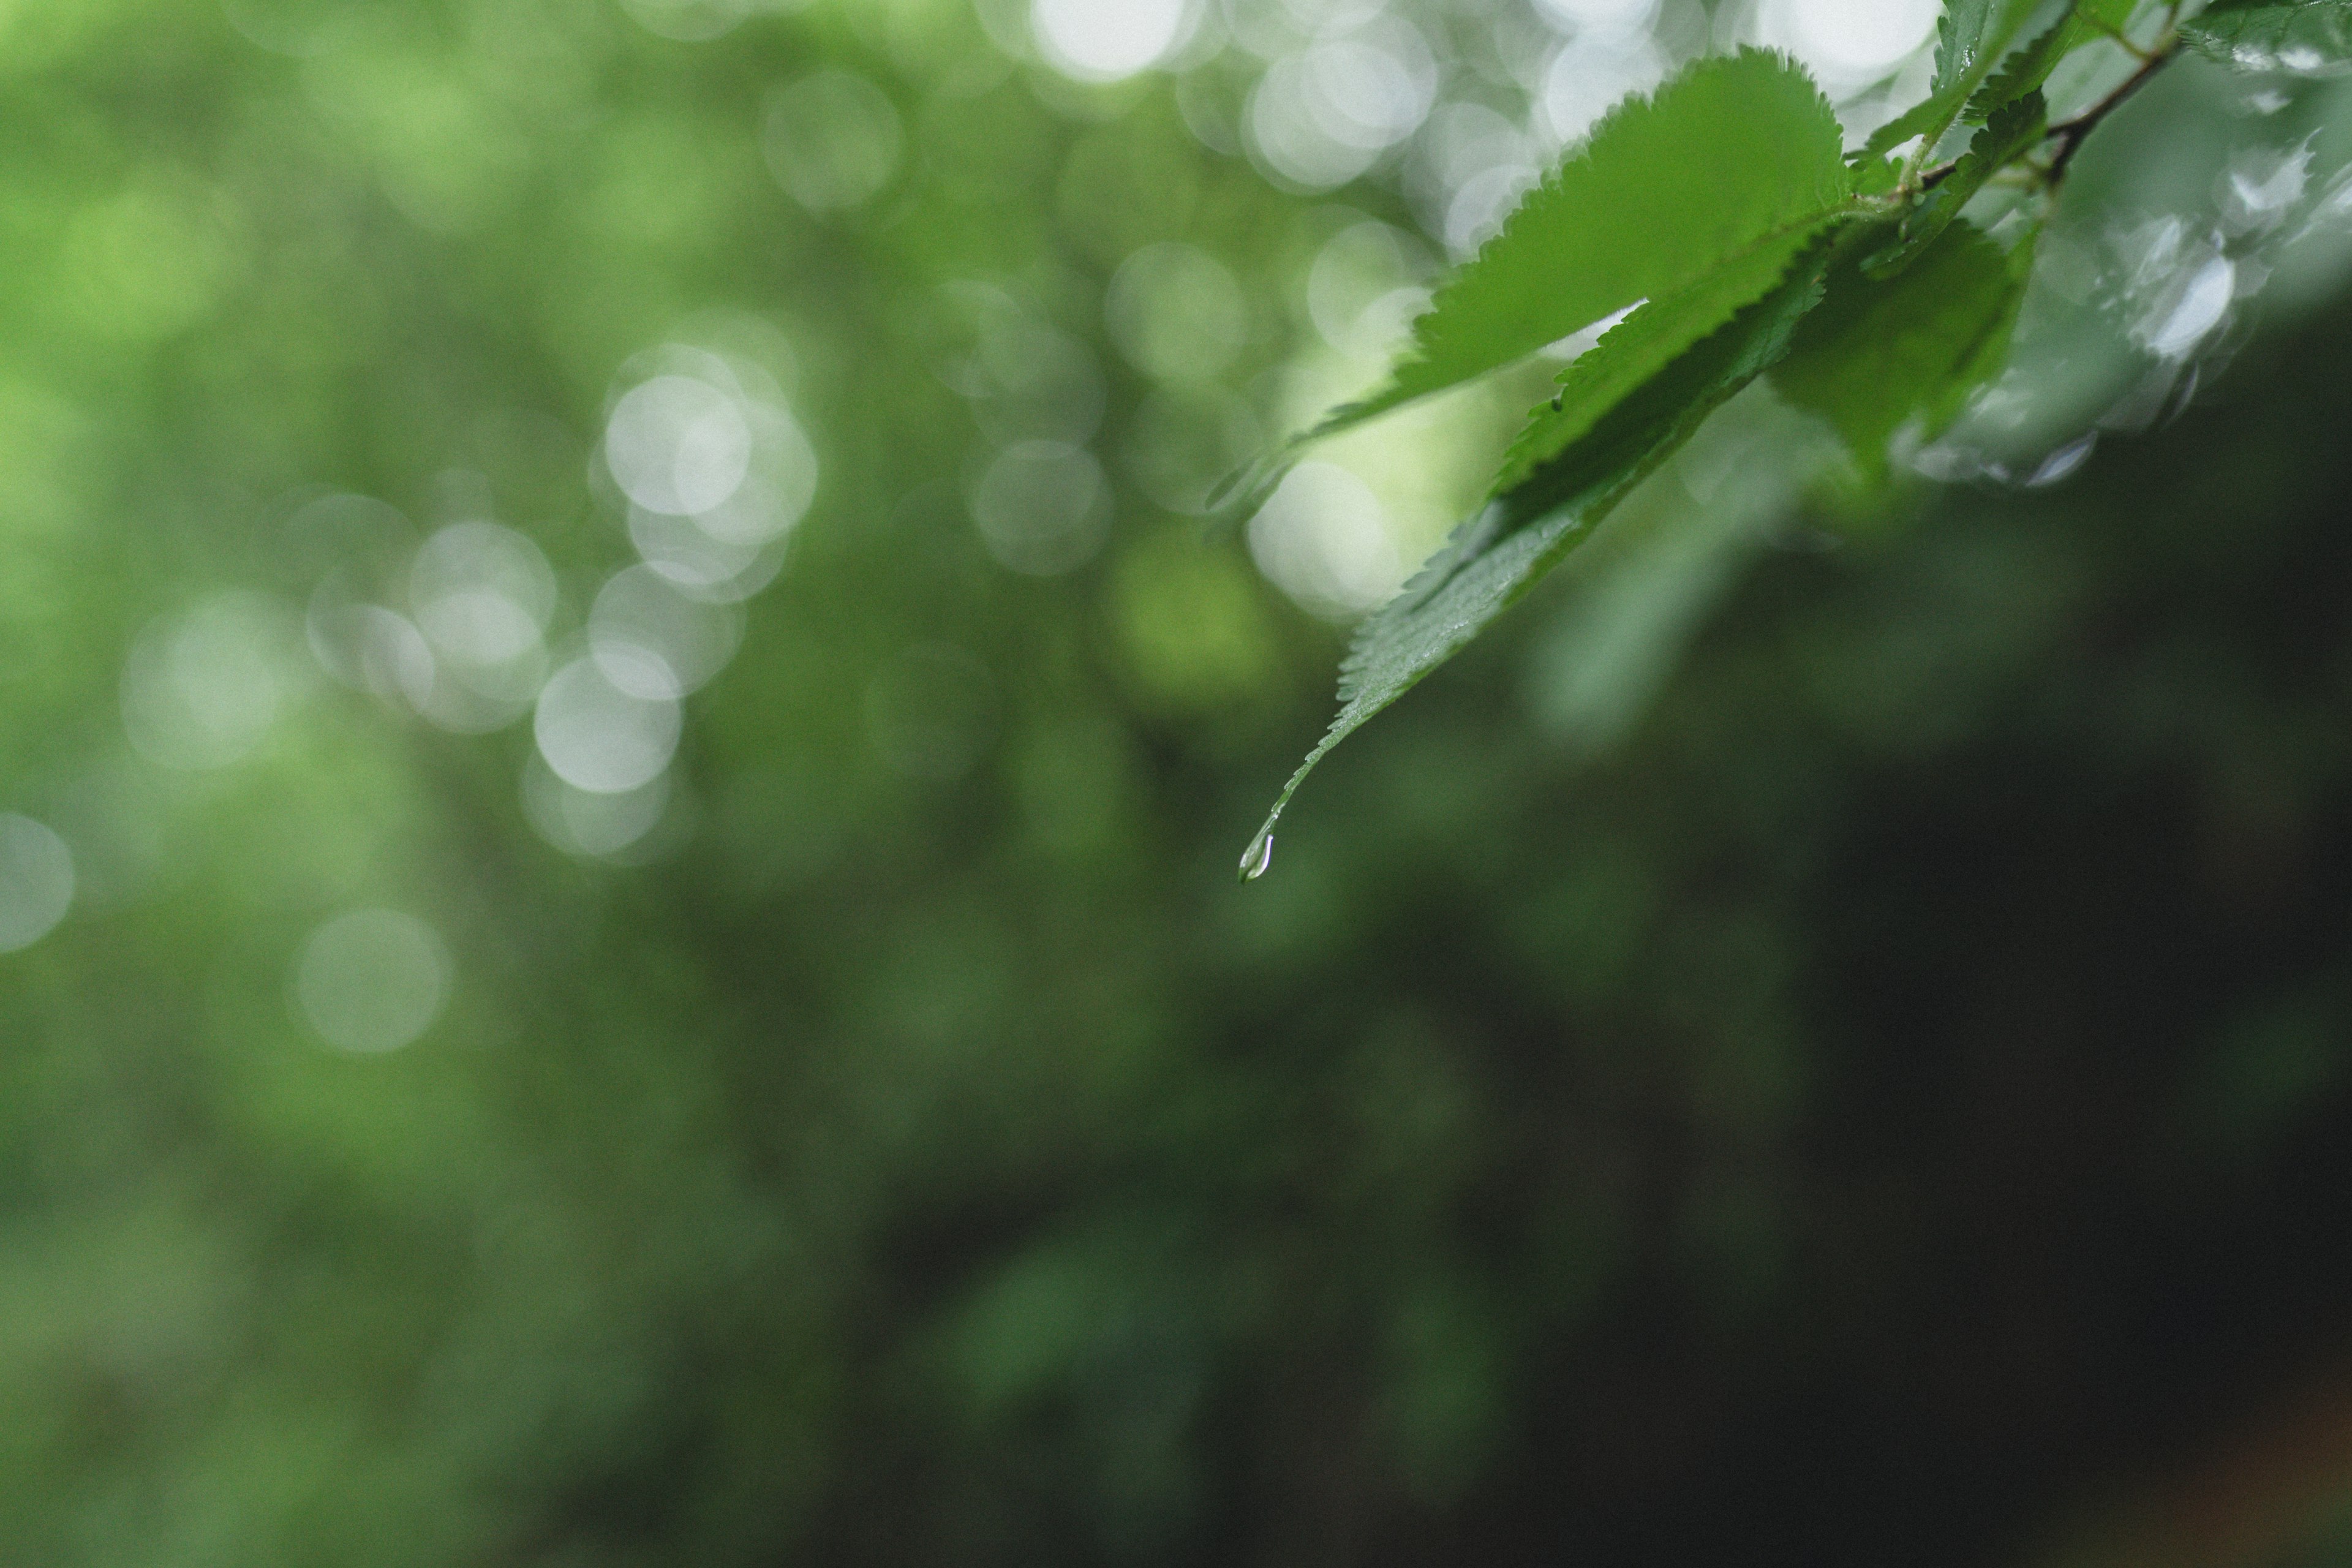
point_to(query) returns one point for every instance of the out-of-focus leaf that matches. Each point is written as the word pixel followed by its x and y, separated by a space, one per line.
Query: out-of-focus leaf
pixel 2016 127
pixel 1494 558
pixel 1735 153
pixel 1882 354
pixel 2313 37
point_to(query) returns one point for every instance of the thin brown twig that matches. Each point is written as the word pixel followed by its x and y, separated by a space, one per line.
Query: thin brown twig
pixel 2070 136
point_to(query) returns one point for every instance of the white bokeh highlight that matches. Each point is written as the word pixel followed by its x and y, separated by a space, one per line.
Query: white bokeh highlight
pixel 599 738
pixel 1599 15
pixel 1849 44
pixel 1326 114
pixel 482 595
pixel 1176 312
pixel 1590 74
pixel 711 469
pixel 1364 288
pixel 1107 41
pixel 677 444
pixel 1323 538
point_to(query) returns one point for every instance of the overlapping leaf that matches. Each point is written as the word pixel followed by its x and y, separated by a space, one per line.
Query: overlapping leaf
pixel 2084 22
pixel 1644 343
pixel 1500 553
pixel 1723 210
pixel 1879 356
pixel 2013 128
pixel 1972 39
pixel 1730 153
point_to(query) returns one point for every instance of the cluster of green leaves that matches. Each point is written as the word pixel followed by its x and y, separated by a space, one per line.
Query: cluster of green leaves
pixel 1724 216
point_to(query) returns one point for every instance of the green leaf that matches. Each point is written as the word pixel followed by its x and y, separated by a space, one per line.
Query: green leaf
pixel 1880 355
pixel 2015 128
pixel 2084 22
pixel 2313 37
pixel 1643 344
pixel 1494 558
pixel 1972 38
pixel 1732 151
pixel 1876 176
pixel 1929 113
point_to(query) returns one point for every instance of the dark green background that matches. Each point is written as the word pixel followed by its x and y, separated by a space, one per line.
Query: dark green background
pixel 1878 1098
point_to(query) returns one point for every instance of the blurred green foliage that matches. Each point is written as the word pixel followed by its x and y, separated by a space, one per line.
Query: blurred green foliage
pixel 1798 1041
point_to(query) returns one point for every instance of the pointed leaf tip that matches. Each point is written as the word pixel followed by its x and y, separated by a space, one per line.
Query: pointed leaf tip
pixel 1496 556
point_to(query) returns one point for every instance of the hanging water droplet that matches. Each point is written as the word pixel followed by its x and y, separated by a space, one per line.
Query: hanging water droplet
pixel 1259 855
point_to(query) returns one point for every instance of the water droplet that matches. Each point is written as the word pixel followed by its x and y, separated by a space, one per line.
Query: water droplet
pixel 1259 855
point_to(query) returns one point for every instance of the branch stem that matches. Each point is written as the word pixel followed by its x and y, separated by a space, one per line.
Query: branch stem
pixel 2070 136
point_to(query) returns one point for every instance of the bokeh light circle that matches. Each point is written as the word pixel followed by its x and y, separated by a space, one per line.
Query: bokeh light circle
pixel 1599 15
pixel 1176 312
pixel 600 738
pixel 372 980
pixel 599 825
pixel 677 444
pixel 831 140
pixel 483 595
pixel 1323 539
pixel 201 688
pixel 651 640
pixel 36 881
pixel 1107 41
pixel 1851 42
pixel 1043 507
pixel 1364 289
